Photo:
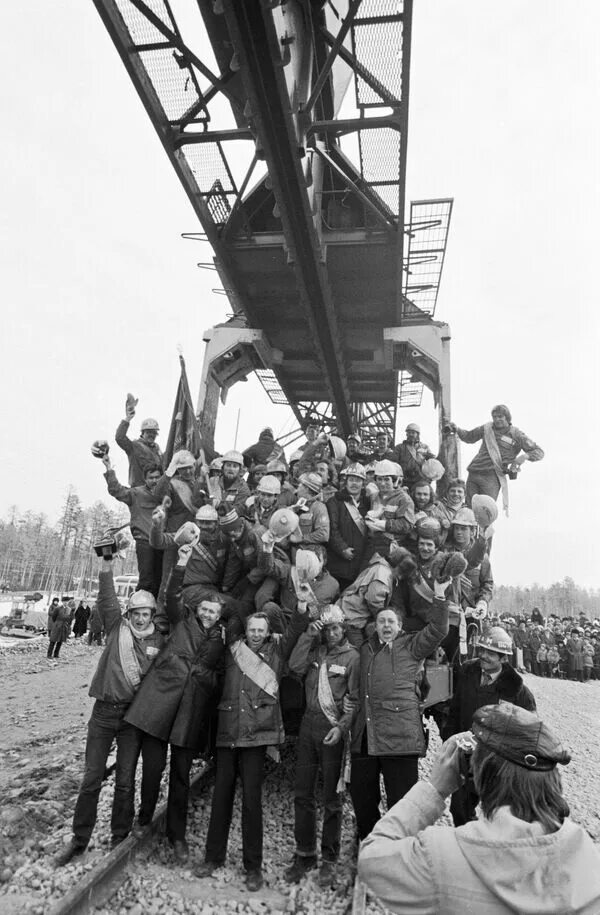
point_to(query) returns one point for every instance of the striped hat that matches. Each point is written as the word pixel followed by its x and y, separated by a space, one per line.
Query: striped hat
pixel 230 521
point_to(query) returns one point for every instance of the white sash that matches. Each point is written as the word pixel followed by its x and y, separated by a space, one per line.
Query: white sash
pixel 356 517
pixel 494 452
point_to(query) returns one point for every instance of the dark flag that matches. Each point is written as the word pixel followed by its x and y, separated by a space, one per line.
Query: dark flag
pixel 185 430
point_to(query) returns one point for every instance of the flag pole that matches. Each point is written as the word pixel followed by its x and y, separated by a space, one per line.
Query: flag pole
pixel 237 426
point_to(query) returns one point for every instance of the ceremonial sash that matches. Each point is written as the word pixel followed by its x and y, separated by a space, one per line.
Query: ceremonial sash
pixel 184 493
pixel 206 555
pixel 423 589
pixel 253 667
pixel 128 658
pixel 494 452
pixel 356 517
pixel 329 709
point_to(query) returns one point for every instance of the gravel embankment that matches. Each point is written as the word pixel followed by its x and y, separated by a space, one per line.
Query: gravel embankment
pixel 39 774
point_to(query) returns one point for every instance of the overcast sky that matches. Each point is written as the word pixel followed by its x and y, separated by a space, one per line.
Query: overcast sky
pixel 99 288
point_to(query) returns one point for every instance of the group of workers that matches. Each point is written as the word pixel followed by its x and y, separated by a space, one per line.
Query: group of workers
pixel 338 572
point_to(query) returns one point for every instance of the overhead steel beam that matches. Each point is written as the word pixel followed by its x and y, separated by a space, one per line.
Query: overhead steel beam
pixel 257 45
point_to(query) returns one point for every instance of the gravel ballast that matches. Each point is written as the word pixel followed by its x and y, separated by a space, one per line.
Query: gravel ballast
pixel 42 740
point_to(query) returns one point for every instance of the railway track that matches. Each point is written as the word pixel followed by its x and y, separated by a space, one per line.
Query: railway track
pixel 141 876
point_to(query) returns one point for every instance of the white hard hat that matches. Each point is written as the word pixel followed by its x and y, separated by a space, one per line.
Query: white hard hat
pixel 207 513
pixel 387 469
pixel 148 424
pixel 233 457
pixel 269 485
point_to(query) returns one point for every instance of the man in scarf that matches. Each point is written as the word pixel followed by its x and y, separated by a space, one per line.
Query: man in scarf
pixel 504 449
pixel 249 726
pixel 332 670
pixel 132 644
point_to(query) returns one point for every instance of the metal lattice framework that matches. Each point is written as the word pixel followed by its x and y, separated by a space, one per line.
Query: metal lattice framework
pixel 286 123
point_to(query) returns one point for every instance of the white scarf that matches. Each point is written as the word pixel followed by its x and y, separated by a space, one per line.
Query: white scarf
pixel 127 654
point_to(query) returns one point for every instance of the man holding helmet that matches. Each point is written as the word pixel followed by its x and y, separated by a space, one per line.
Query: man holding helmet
pixel 206 566
pixel 522 854
pixel 411 453
pixel 332 669
pixel 392 515
pixel 132 644
pixel 486 680
pixel 144 450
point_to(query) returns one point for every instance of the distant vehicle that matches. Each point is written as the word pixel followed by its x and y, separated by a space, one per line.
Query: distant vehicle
pixel 25 622
pixel 125 585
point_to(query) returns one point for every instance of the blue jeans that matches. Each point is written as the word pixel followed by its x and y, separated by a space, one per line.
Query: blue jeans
pixel 105 725
pixel 312 756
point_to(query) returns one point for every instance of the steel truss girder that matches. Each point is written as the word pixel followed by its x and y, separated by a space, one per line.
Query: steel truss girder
pixel 256 42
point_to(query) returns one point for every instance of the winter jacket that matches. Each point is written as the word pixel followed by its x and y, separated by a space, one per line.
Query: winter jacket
pixel 575 652
pixel 411 458
pixel 248 716
pixel 59 623
pixel 314 524
pixel 408 596
pixel 174 698
pixel 343 673
pixel 487 867
pixel 141 501
pixel 109 683
pixel 186 498
pixel 389 704
pixel 141 454
pixel 369 593
pixel 206 565
pixel 345 533
pixel 469 695
pixel 235 495
pixel 243 558
pixel 262 451
pixel 510 444
pixel 399 517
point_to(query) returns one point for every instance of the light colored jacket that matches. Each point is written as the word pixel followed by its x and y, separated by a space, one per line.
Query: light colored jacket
pixel 487 867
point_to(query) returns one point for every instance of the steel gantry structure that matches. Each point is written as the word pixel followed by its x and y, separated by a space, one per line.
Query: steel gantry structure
pixel 286 123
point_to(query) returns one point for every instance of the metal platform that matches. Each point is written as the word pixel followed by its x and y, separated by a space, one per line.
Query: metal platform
pixel 286 123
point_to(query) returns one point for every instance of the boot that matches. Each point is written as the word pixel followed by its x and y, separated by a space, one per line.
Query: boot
pixel 299 867
pixel 326 874
pixel 70 851
pixel 254 880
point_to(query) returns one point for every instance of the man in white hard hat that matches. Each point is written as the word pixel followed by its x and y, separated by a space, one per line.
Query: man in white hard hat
pixel 141 451
pixel 141 501
pixel 331 668
pixel 411 453
pixel 264 501
pixel 132 644
pixel 234 489
pixel 348 530
pixel 279 470
pixel 486 680
pixel 392 515
pixel 205 569
pixel 504 449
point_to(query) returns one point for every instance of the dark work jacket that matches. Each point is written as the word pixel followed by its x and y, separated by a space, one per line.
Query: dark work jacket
pixel 389 703
pixel 344 533
pixel 175 696
pixel 469 695
pixel 141 454
pixel 248 716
